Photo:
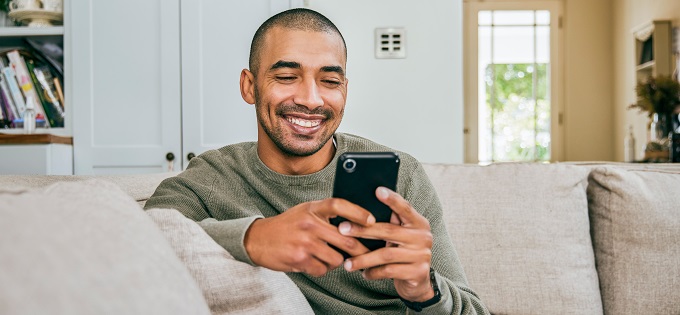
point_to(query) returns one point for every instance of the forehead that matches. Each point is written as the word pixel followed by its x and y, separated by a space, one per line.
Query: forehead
pixel 309 48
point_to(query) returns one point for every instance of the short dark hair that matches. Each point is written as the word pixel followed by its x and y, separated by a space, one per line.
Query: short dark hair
pixel 297 19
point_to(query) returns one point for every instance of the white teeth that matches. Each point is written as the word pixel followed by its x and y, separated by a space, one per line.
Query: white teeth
pixel 304 122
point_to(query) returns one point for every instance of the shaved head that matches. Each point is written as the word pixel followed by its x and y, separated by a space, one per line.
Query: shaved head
pixel 296 19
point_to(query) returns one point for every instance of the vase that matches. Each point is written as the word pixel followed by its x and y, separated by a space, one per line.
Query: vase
pixel 662 124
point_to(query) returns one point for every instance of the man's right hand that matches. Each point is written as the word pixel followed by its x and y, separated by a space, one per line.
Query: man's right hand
pixel 297 240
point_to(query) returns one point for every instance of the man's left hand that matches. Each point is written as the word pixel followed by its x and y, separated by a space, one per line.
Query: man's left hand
pixel 408 253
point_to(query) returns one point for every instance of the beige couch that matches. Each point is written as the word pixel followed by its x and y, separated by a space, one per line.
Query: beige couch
pixel 533 239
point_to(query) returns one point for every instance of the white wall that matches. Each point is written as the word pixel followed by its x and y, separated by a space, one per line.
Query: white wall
pixel 414 104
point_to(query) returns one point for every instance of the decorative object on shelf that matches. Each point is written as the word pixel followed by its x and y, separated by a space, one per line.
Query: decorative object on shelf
pixel 629 146
pixel 657 151
pixel 53 5
pixel 659 97
pixel 36 13
pixel 674 146
pixel 24 5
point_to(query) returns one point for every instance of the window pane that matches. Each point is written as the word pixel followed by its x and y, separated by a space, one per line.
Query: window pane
pixel 543 17
pixel 543 113
pixel 484 18
pixel 514 90
pixel 484 83
pixel 513 44
pixel 513 17
pixel 543 44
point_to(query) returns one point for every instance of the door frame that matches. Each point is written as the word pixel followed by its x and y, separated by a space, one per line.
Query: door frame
pixel 470 68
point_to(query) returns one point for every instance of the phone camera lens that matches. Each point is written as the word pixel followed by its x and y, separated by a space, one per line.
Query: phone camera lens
pixel 349 165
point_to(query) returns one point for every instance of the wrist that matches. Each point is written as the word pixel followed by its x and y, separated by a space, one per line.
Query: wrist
pixel 423 301
pixel 248 243
pixel 429 294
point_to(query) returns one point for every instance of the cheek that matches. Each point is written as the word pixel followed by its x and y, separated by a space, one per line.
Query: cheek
pixel 336 100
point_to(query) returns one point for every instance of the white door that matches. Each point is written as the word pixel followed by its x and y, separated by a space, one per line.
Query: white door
pixel 216 38
pixel 126 85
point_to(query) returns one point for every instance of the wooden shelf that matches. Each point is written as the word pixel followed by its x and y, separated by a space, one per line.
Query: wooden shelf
pixel 39 138
pixel 21 31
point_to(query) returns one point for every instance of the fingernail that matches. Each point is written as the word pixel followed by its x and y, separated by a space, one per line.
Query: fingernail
pixel 348 265
pixel 370 220
pixel 383 192
pixel 363 274
pixel 344 228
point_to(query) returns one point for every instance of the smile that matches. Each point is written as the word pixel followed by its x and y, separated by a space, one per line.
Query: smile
pixel 303 122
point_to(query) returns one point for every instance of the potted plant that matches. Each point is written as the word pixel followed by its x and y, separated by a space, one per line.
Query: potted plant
pixel 659 97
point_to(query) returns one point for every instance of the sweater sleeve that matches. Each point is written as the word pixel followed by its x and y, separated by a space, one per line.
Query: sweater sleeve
pixel 189 193
pixel 457 296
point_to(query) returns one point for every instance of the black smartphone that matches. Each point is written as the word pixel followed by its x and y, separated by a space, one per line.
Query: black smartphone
pixel 357 176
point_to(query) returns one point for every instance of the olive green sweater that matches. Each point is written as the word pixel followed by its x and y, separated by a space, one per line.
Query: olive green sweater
pixel 225 190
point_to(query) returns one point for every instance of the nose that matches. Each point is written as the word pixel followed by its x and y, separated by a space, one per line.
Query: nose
pixel 308 95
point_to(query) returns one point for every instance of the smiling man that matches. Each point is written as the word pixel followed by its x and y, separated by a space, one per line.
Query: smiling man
pixel 268 202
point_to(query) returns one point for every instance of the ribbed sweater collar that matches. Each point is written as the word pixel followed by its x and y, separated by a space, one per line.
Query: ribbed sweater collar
pixel 326 174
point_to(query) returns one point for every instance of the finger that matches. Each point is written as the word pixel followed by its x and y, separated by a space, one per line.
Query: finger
pixel 388 256
pixel 405 272
pixel 334 207
pixel 400 206
pixel 328 256
pixel 403 236
pixel 312 267
pixel 348 244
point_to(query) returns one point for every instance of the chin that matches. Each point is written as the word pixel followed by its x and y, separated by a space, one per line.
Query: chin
pixel 301 148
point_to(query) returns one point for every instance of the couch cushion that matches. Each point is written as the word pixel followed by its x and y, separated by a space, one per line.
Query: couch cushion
pixel 522 235
pixel 635 217
pixel 139 186
pixel 229 286
pixel 87 248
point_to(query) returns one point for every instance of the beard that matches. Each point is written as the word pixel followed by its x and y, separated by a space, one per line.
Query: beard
pixel 295 145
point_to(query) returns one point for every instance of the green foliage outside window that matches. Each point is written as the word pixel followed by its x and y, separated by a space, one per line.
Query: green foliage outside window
pixel 520 126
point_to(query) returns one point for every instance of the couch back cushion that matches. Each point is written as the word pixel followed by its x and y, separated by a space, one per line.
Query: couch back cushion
pixel 229 286
pixel 86 247
pixel 139 186
pixel 522 235
pixel 635 217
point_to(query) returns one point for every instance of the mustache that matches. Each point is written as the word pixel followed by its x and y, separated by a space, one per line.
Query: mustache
pixel 285 109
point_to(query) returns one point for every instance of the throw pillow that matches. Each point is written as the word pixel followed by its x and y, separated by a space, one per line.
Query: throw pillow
pixel 522 235
pixel 635 217
pixel 229 286
pixel 87 248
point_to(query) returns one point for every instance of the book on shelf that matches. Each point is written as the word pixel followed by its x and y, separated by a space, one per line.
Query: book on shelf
pixel 60 92
pixel 11 112
pixel 6 118
pixel 10 80
pixel 46 93
pixel 25 82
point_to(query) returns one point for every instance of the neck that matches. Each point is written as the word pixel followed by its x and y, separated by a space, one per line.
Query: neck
pixel 285 164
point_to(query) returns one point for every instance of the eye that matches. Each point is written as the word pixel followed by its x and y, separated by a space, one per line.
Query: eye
pixel 286 78
pixel 332 83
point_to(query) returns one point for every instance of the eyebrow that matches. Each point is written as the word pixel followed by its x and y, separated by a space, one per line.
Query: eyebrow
pixel 286 64
pixel 336 69
pixel 296 65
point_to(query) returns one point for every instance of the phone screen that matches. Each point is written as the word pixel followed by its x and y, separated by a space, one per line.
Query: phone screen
pixel 357 176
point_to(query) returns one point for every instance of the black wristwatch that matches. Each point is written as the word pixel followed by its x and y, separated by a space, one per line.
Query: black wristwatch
pixel 419 306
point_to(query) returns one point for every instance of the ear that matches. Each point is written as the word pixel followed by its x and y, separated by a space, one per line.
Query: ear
pixel 247 86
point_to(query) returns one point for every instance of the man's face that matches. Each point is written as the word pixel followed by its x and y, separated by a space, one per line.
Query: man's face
pixel 300 89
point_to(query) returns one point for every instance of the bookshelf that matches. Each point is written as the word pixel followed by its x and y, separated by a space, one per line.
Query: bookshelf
pixel 653 49
pixel 49 150
pixel 23 31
